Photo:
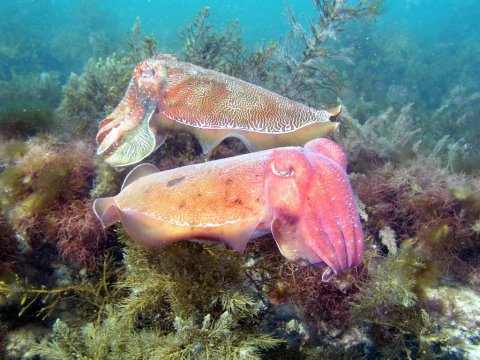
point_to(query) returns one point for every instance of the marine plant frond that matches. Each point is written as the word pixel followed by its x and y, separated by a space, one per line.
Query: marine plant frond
pixel 306 65
pixel 389 136
pixel 238 304
pixel 91 292
pixel 116 339
pixel 90 96
pixel 391 300
pixel 6 291
pixel 220 339
pixel 141 46
pixel 203 45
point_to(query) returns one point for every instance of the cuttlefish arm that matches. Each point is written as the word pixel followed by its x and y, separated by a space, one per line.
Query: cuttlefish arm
pixel 128 134
pixel 302 196
pixel 315 220
pixel 166 94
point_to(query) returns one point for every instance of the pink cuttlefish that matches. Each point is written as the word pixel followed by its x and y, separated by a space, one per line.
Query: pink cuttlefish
pixel 166 94
pixel 301 195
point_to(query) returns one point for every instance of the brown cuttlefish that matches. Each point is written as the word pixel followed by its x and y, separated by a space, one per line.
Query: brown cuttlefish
pixel 166 94
pixel 300 195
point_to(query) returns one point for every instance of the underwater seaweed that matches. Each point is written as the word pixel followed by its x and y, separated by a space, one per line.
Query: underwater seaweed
pixel 389 136
pixel 74 230
pixel 115 339
pixel 446 102
pixel 43 187
pixel 188 278
pixel 107 180
pixel 390 303
pixel 306 65
pixel 204 46
pixel 87 294
pixel 426 201
pixel 141 46
pixel 8 247
pixel 88 97
pixel 184 301
pixel 301 307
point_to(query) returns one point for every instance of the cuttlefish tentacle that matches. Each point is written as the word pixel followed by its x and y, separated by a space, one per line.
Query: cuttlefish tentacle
pixel 301 195
pixel 166 94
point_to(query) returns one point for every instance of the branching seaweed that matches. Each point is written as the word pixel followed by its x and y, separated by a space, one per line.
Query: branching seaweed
pixel 390 302
pixel 89 97
pixel 389 136
pixel 185 301
pixel 91 292
pixel 141 46
pixel 304 63
pixel 203 46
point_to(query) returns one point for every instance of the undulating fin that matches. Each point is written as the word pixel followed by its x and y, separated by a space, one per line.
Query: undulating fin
pixel 137 144
pixel 138 172
pixel 236 236
pixel 106 211
pixel 329 149
pixel 208 142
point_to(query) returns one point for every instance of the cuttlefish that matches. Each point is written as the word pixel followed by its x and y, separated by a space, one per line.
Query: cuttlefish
pixel 166 94
pixel 300 195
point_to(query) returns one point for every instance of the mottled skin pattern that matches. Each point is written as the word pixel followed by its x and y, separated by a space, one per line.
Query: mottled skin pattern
pixel 301 195
pixel 168 94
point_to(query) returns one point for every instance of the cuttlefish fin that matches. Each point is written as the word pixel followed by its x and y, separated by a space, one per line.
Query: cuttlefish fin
pixel 137 144
pixel 236 236
pixel 106 211
pixel 138 172
pixel 209 141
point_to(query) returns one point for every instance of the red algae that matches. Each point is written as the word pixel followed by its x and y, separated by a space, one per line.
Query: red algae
pixel 77 233
pixel 48 184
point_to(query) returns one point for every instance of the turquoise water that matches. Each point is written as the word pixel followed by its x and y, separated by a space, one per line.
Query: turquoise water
pixel 40 36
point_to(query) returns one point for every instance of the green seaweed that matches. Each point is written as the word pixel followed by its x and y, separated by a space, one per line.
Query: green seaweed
pixel 116 339
pixel 184 301
pixel 189 279
pixel 94 94
pixel 106 182
pixel 90 292
pixel 307 66
pixel 391 303
pixel 204 46
pixel 141 46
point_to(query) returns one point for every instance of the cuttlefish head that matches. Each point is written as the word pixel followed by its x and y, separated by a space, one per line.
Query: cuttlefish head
pixel 126 136
pixel 315 221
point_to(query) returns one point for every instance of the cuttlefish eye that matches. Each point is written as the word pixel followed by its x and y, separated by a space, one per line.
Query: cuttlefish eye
pixel 147 73
pixel 281 173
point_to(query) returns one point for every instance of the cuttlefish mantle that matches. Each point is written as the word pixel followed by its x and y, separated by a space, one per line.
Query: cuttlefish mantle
pixel 166 94
pixel 300 195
